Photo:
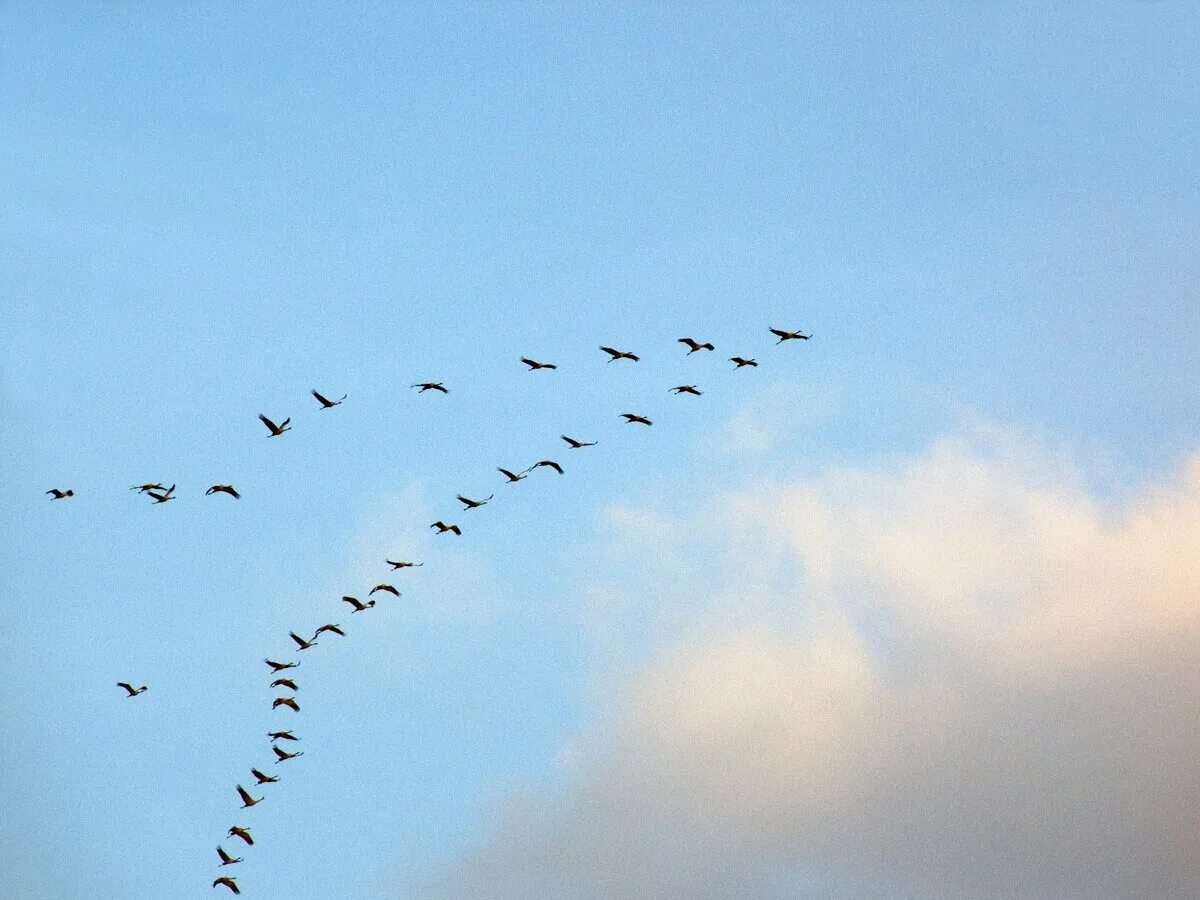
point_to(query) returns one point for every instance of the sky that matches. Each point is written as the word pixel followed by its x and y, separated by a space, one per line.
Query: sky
pixel 908 610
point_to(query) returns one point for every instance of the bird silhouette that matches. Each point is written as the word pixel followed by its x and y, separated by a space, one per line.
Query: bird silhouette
pixel 226 859
pixel 430 386
pixel 289 702
pixel 228 882
pixel 130 689
pixel 150 486
pixel 164 496
pixel 789 335
pixel 684 389
pixel 534 365
pixel 263 777
pixel 693 346
pixel 278 666
pixel 247 800
pixel 513 477
pixel 358 605
pixel 282 736
pixel 442 528
pixel 56 494
pixel 283 755
pixel 325 402
pixel 285 682
pixel 275 430
pixel 619 354
pixel 243 833
pixel 632 418
pixel 546 464
pixel 402 565
pixel 575 445
pixel 468 503
pixel 223 489
pixel 386 588
pixel 329 627
pixel 739 362
pixel 301 642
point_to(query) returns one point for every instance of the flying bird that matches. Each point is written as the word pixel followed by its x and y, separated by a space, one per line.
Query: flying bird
pixel 442 528
pixel 574 444
pixel 228 882
pixel 513 477
pixel 243 833
pixel 468 503
pixel 789 335
pixel 282 736
pixel 130 689
pixel 386 588
pixel 739 361
pixel 247 800
pixel 402 565
pixel 162 497
pixel 631 418
pixel 288 702
pixel 534 365
pixel 619 354
pixel 301 642
pixel 546 463
pixel 684 389
pixel 263 777
pixel 152 486
pixel 226 859
pixel 430 386
pixel 358 605
pixel 326 403
pixel 285 682
pixel 693 346
pixel 329 627
pixel 278 666
pixel 57 494
pixel 223 489
pixel 284 755
pixel 275 430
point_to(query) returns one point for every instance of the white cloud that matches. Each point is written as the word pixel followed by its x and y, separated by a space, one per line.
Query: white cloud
pixel 952 675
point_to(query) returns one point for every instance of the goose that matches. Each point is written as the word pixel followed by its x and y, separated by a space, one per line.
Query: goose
pixel 430 386
pixel 226 859
pixel 301 642
pixel 693 346
pixel 282 736
pixel 619 354
pixel 285 682
pixel 247 800
pixel 468 503
pixel 386 588
pixel 243 833
pixel 223 489
pixel 402 565
pixel 575 445
pixel 739 362
pixel 228 882
pixel 150 486
pixel 130 689
pixel 57 494
pixel 548 464
pixel 325 402
pixel 513 477
pixel 164 496
pixel 278 666
pixel 442 528
pixel 283 755
pixel 289 702
pixel 357 604
pixel 263 777
pixel 788 335
pixel 534 365
pixel 632 418
pixel 685 389
pixel 275 430
pixel 329 627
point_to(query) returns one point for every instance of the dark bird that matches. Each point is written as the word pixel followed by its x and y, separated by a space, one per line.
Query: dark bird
pixel 693 346
pixel 631 418
pixel 282 736
pixel 546 463
pixel 329 627
pixel 301 642
pixel 534 365
pixel 247 800
pixel 288 702
pixel 223 489
pixel 442 528
pixel 468 503
pixel 243 833
pixel 56 494
pixel 430 386
pixel 130 689
pixel 739 362
pixel 263 777
pixel 285 682
pixel 789 335
pixel 162 497
pixel 575 445
pixel 619 354
pixel 226 859
pixel 684 389
pixel 275 430
pixel 513 477
pixel 357 604
pixel 152 486
pixel 402 565
pixel 278 666
pixel 326 403
pixel 283 755
pixel 386 588
pixel 228 882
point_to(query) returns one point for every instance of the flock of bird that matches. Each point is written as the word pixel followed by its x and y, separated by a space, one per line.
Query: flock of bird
pixel 159 493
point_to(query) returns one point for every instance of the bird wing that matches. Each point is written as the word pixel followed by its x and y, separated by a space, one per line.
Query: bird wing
pixel 271 425
pixel 299 640
pixel 611 352
pixel 353 601
pixel 778 333
pixel 246 798
pixel 127 686
pixel 456 530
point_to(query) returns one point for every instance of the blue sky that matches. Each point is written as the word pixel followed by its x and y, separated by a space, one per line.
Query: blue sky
pixel 982 214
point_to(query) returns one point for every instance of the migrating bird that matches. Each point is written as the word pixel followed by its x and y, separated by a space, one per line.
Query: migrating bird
pixel 442 528
pixel 263 777
pixel 739 362
pixel 684 389
pixel 152 486
pixel 631 418
pixel 301 642
pixel 789 335
pixel 226 859
pixel 402 565
pixel 430 386
pixel 223 489
pixel 288 702
pixel 619 354
pixel 329 627
pixel 247 800
pixel 547 463
pixel 534 365
pixel 162 497
pixel 228 882
pixel 281 736
pixel 513 477
pixel 284 755
pixel 574 444
pixel 386 588
pixel 278 666
pixel 326 403
pixel 130 689
pixel 468 503
pixel 243 833
pixel 693 346
pixel 59 495
pixel 358 605
pixel 285 682
pixel 275 430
